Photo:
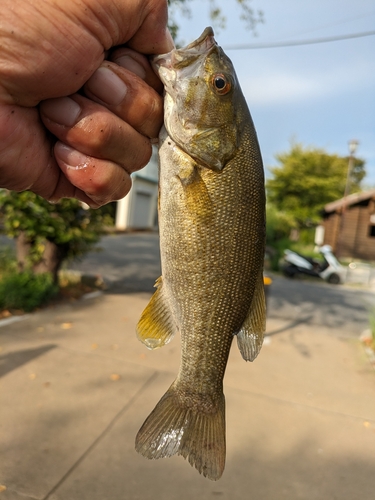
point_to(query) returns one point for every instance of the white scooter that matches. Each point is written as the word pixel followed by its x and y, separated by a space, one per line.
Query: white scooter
pixel 329 269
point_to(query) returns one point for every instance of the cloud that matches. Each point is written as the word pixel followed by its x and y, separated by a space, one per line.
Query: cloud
pixel 270 80
pixel 280 89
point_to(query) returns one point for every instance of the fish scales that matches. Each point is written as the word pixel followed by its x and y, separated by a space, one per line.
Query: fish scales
pixel 212 231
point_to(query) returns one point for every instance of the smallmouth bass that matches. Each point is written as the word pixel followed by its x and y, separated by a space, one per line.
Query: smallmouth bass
pixel 212 233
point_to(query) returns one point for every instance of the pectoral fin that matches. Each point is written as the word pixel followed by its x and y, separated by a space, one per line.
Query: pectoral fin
pixel 156 326
pixel 197 199
pixel 250 337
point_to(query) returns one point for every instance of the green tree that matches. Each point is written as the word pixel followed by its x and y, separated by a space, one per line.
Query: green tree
pixel 309 178
pixel 279 225
pixel 250 16
pixel 46 233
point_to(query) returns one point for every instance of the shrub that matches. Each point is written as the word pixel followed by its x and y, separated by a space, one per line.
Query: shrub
pixel 8 262
pixel 372 328
pixel 46 233
pixel 25 290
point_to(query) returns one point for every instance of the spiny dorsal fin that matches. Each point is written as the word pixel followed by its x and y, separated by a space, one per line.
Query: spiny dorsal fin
pixel 250 337
pixel 156 326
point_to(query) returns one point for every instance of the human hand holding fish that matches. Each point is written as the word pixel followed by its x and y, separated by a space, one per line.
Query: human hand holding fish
pixel 212 234
pixel 72 122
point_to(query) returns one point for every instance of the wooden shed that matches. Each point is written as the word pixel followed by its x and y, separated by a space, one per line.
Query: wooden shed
pixel 349 226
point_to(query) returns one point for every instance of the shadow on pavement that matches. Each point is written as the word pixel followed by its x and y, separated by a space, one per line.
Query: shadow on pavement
pixel 293 324
pixel 13 360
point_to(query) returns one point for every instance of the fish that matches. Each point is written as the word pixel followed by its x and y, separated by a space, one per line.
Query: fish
pixel 212 235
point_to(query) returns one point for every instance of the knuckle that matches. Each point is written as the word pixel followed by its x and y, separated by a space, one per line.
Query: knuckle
pixel 146 114
pixel 113 186
pixel 154 117
pixel 98 132
pixel 138 157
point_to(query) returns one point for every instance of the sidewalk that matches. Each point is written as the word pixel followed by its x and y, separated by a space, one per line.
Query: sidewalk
pixel 76 385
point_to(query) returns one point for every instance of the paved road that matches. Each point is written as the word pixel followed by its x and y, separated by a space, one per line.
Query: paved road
pixel 341 309
pixel 128 262
pixel 76 384
pixel 131 262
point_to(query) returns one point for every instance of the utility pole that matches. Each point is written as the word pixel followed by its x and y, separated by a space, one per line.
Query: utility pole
pixel 353 144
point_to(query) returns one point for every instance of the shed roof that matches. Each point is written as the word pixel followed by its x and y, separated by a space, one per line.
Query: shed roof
pixel 352 199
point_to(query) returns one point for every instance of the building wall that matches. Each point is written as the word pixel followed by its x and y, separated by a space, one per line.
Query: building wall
pixel 138 210
pixel 353 234
pixel 365 238
pixel 331 228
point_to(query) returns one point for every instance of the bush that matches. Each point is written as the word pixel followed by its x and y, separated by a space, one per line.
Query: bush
pixel 307 237
pixel 8 262
pixel 46 233
pixel 25 290
pixel 372 328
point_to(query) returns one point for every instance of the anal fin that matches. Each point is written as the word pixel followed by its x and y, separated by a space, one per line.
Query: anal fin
pixel 250 336
pixel 156 326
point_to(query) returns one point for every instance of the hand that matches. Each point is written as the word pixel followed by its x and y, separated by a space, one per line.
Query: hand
pixel 58 139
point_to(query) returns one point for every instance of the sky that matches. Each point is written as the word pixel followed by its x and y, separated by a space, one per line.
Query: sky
pixel 320 95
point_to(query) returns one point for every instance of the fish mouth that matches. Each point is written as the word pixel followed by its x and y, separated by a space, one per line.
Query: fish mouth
pixel 165 64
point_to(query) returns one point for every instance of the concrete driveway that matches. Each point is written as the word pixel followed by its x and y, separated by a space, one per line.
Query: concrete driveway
pixel 76 385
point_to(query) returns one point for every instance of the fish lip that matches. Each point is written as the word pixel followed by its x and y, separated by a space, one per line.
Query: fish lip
pixel 203 43
pixel 178 57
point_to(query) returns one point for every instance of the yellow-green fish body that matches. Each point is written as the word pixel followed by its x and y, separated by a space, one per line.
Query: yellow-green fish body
pixel 212 232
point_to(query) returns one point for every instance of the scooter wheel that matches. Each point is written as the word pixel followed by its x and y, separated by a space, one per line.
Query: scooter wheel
pixel 289 271
pixel 334 279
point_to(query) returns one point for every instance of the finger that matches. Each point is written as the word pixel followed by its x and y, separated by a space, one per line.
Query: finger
pixel 152 36
pixel 96 181
pixel 60 44
pixel 139 64
pixel 94 131
pixel 27 162
pixel 128 96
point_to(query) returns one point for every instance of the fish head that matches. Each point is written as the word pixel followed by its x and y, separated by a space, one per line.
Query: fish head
pixel 203 104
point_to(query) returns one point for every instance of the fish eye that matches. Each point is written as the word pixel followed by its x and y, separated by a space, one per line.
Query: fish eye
pixel 221 84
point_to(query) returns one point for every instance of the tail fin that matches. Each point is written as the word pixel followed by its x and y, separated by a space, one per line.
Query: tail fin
pixel 197 435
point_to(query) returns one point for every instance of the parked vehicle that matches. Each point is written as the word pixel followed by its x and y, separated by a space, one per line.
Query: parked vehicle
pixel 328 269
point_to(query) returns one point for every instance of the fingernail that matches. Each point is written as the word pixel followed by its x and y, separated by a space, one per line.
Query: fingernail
pixel 71 157
pixel 107 86
pixel 132 65
pixel 62 110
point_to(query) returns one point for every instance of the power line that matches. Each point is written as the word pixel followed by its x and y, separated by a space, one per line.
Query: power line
pixel 298 42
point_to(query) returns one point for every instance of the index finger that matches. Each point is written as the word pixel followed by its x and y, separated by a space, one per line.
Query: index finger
pixel 138 64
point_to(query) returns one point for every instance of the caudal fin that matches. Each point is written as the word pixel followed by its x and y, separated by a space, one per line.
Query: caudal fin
pixel 199 436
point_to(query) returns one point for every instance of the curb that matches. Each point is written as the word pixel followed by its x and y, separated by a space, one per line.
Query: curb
pixel 15 319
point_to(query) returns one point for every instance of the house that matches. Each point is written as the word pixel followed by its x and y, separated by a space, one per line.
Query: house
pixel 349 226
pixel 138 210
